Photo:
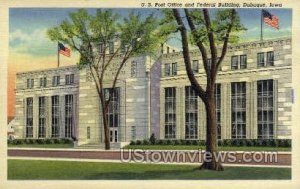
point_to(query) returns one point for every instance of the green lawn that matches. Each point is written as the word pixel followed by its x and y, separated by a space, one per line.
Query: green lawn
pixel 195 147
pixel 40 145
pixel 72 170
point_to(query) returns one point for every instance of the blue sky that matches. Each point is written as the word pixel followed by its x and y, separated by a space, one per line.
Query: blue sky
pixel 28 27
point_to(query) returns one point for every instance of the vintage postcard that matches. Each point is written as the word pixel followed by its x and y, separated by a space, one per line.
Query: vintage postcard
pixel 165 94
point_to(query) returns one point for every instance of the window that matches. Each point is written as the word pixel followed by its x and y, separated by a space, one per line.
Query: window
pixel 55 116
pixel 270 58
pixel 101 48
pixel 69 79
pixel 133 133
pixel 234 63
pixel 168 50
pixel 191 113
pixel 30 83
pixel 218 108
pixel 167 69
pixel 243 61
pixel 56 80
pixel 113 134
pixel 170 113
pixel 68 115
pixel 88 132
pixel 238 110
pixel 111 48
pixel 195 66
pixel 123 48
pixel 29 117
pixel 174 68
pixel 133 69
pixel 265 108
pixel 113 112
pixel 43 82
pixel 42 117
pixel 260 59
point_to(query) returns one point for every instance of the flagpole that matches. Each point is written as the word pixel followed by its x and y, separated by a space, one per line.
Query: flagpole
pixel 57 54
pixel 261 26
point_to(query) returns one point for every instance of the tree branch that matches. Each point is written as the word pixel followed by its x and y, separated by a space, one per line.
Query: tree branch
pixel 187 61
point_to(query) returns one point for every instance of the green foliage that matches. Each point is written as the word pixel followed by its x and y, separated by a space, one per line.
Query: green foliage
pixel 40 141
pixel 152 139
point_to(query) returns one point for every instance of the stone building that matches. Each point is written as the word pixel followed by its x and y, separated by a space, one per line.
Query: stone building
pixel 253 93
pixel 153 95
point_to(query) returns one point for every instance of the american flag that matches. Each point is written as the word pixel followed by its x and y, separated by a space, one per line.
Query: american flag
pixel 64 50
pixel 270 19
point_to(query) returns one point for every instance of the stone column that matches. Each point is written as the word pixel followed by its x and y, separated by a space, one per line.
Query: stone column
pixel 62 116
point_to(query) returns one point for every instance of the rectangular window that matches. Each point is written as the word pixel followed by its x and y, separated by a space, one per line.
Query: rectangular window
pixel 111 48
pixel 218 108
pixel 191 113
pixel 88 132
pixel 56 80
pixel 260 59
pixel 133 133
pixel 174 68
pixel 238 110
pixel 243 61
pixel 167 69
pixel 55 116
pixel 30 83
pixel 133 69
pixel 113 111
pixel 69 79
pixel 265 109
pixel 270 58
pixel 234 62
pixel 43 82
pixel 170 113
pixel 42 117
pixel 29 117
pixel 68 115
pixel 195 66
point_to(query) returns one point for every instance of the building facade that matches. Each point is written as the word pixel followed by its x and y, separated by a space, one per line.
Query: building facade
pixel 253 95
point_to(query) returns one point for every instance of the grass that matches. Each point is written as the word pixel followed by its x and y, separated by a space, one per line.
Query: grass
pixel 40 145
pixel 195 147
pixel 74 170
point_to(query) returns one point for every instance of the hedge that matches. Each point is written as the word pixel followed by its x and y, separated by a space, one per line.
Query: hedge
pixel 224 142
pixel 40 141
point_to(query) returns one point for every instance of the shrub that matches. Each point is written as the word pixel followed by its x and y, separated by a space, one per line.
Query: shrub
pixel 152 139
pixel 220 142
pixel 202 142
pixel 132 143
pixel 227 142
pixel 195 142
pixel 138 142
pixel 287 143
pixel 249 142
pixel 48 141
pixel 146 142
pixel 177 142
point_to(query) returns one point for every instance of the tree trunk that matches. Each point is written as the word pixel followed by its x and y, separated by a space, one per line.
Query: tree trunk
pixel 211 135
pixel 105 126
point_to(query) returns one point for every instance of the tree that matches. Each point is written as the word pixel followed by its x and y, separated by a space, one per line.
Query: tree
pixel 92 36
pixel 197 27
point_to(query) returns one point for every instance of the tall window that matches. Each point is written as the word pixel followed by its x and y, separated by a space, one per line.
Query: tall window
pixel 174 68
pixel 111 48
pixel 69 79
pixel 218 108
pixel 270 58
pixel 195 66
pixel 29 117
pixel 243 61
pixel 88 132
pixel 68 115
pixel 43 82
pixel 167 69
pixel 265 109
pixel 133 133
pixel 30 83
pixel 234 62
pixel 56 80
pixel 42 117
pixel 238 108
pixel 191 113
pixel 260 59
pixel 55 116
pixel 133 69
pixel 170 112
pixel 113 112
